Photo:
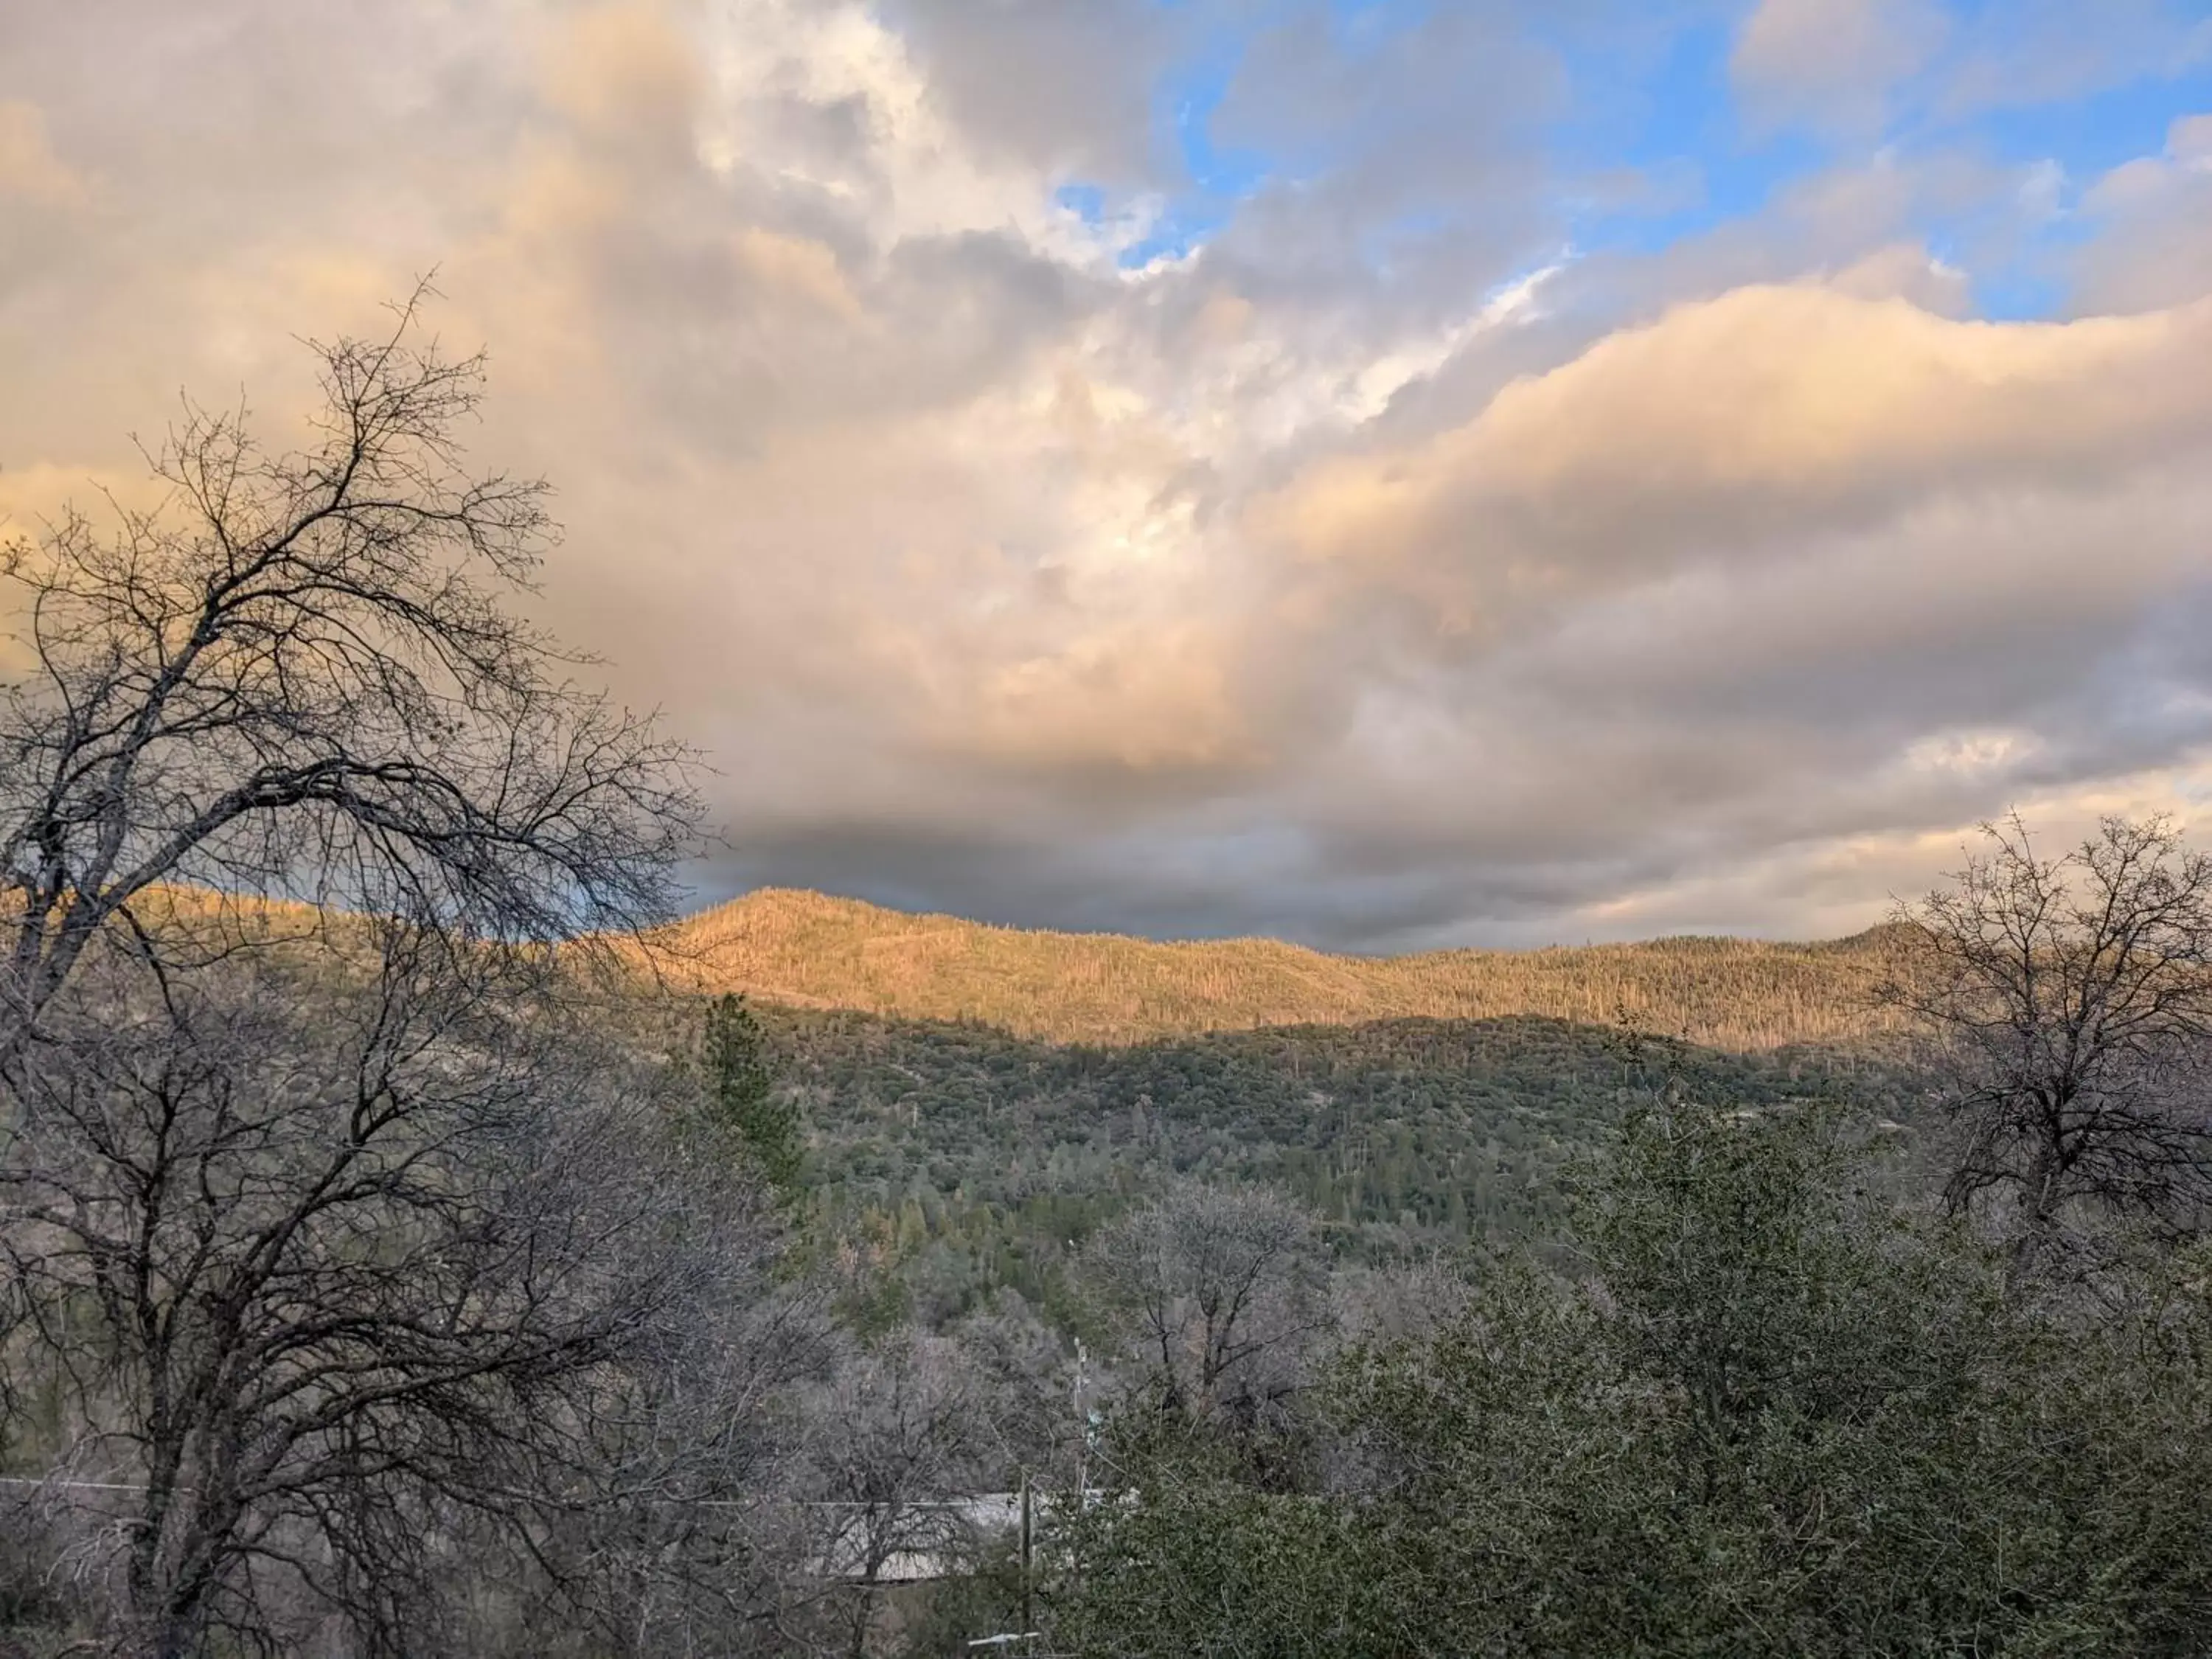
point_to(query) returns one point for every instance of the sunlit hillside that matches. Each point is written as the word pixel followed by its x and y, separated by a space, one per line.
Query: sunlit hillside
pixel 812 949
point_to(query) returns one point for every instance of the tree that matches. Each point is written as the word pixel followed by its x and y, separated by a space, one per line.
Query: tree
pixel 2068 1003
pixel 895 1440
pixel 747 1109
pixel 336 1249
pixel 297 676
pixel 1222 1285
pixel 1767 1414
pixel 332 1266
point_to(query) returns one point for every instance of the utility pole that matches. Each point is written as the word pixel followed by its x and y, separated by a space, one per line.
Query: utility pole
pixel 1029 1579
pixel 1082 1422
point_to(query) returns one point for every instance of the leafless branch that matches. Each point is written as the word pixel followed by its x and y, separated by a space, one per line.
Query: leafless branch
pixel 2067 1004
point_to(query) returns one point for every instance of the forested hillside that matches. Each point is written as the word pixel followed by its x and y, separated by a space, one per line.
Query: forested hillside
pixel 976 1158
pixel 815 950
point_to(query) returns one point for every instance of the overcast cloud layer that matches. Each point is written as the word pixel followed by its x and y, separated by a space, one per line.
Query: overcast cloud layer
pixel 1383 474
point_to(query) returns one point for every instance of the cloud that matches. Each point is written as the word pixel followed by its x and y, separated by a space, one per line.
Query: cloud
pixel 1833 61
pixel 1063 86
pixel 2020 53
pixel 30 172
pixel 2155 213
pixel 1759 413
pixel 1387 566
pixel 624 74
pixel 1854 66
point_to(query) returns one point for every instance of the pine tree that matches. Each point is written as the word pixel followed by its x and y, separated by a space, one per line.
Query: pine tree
pixel 743 1103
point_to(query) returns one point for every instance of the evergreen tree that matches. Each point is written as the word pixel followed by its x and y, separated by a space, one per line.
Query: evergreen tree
pixel 743 1103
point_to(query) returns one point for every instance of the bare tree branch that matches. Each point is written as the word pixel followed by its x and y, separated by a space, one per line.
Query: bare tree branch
pixel 2068 1007
pixel 328 1266
pixel 299 677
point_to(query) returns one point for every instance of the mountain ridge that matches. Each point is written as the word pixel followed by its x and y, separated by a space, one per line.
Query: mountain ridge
pixel 806 949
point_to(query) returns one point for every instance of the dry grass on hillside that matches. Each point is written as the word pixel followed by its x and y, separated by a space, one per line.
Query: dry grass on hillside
pixel 808 949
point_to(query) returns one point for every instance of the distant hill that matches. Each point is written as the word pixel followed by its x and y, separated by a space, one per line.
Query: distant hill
pixel 812 951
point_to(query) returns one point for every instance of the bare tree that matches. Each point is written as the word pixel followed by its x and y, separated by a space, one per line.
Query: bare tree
pixel 675 1533
pixel 2069 1005
pixel 1036 1383
pixel 900 1440
pixel 328 1264
pixel 297 675
pixel 1223 1285
pixel 333 1259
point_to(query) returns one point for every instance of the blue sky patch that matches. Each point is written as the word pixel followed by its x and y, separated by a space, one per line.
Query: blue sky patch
pixel 1658 142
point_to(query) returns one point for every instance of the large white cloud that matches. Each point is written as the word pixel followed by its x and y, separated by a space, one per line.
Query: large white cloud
pixel 1369 596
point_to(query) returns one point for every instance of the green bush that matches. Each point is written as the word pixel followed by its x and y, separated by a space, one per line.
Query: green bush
pixel 1766 1412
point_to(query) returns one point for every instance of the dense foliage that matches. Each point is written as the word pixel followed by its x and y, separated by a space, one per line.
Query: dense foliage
pixel 1767 1413
pixel 979 1160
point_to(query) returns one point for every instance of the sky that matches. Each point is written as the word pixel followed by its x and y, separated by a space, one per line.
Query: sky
pixel 1384 473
